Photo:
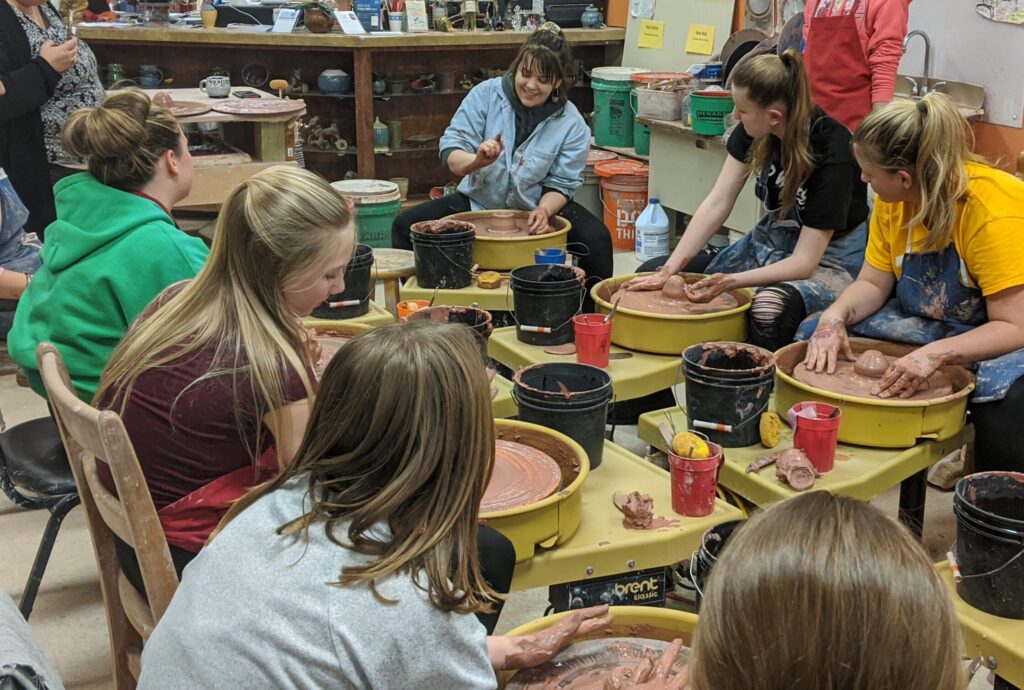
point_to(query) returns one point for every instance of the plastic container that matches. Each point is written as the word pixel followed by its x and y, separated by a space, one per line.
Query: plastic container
pixel 709 112
pixel 545 298
pixel 816 432
pixel 593 339
pixel 443 260
pixel 695 482
pixel 479 321
pixel 589 195
pixel 623 197
pixel 377 203
pixel 355 300
pixel 618 13
pixel 659 105
pixel 613 115
pixel 549 256
pixel 407 307
pixel 652 232
pixel 728 386
pixel 641 132
pixel 989 509
pixel 567 397
pixel 495 252
pixel 712 544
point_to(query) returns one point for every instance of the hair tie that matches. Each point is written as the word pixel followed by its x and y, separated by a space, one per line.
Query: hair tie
pixel 922 108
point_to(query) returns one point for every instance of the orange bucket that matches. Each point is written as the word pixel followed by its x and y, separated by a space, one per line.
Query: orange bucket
pixel 409 306
pixel 624 197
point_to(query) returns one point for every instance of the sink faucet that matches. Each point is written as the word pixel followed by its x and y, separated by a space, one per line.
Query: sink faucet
pixel 923 88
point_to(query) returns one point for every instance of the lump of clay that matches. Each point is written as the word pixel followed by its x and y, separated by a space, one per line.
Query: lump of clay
pixel 675 288
pixel 872 364
pixel 637 508
pixel 164 100
pixel 794 468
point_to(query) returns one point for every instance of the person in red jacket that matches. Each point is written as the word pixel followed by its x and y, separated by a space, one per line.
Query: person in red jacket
pixel 852 49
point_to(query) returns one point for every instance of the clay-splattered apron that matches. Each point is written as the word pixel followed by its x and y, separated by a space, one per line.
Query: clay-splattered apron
pixel 773 239
pixel 937 298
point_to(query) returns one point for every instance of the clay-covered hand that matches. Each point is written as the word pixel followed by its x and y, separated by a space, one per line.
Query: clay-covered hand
pixel 703 291
pixel 650 674
pixel 536 648
pixel 488 152
pixel 313 346
pixel 539 221
pixel 650 281
pixel 908 373
pixel 829 342
pixel 60 57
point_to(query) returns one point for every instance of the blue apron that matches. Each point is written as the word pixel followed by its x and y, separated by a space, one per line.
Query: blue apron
pixel 937 298
pixel 773 239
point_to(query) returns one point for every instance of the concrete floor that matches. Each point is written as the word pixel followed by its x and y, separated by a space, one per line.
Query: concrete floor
pixel 69 619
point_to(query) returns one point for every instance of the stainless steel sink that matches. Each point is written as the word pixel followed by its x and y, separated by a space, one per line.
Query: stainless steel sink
pixel 969 98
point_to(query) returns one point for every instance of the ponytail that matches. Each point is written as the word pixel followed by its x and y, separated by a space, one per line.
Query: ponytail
pixel 770 80
pixel 931 140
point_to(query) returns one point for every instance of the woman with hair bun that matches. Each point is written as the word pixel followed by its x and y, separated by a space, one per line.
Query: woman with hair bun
pixel 943 269
pixel 114 245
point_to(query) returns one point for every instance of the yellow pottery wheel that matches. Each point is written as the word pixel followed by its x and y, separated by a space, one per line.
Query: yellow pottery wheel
pixel 505 253
pixel 670 334
pixel 627 621
pixel 553 520
pixel 872 422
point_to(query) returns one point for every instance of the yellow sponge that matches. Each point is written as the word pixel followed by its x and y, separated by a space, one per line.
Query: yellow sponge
pixel 489 280
pixel 771 429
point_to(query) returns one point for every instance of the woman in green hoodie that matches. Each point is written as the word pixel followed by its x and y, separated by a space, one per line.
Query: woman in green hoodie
pixel 114 245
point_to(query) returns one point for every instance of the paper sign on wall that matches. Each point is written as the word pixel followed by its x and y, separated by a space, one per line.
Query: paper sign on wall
pixel 652 34
pixel 700 39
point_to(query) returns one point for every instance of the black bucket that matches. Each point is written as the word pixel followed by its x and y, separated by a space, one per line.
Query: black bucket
pixel 478 320
pixel 358 288
pixel 989 509
pixel 444 257
pixel 567 397
pixel 545 298
pixel 703 559
pixel 728 384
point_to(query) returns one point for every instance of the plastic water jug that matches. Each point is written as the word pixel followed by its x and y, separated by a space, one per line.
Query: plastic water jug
pixel 652 232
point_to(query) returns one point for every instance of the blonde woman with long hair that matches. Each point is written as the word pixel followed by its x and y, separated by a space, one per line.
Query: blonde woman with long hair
pixel 358 566
pixel 943 269
pixel 824 591
pixel 217 370
pixel 114 245
pixel 810 243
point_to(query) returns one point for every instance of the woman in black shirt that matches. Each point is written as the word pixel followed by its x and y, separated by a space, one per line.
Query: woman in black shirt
pixel 810 243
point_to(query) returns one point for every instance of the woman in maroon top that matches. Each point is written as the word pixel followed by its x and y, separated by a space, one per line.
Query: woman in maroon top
pixel 217 370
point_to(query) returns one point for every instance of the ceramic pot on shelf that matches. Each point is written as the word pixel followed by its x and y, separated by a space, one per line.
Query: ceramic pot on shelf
pixel 381 134
pixel 591 18
pixel 316 21
pixel 334 81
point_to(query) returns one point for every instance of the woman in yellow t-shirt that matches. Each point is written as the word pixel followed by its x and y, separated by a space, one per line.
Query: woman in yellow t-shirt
pixel 947 233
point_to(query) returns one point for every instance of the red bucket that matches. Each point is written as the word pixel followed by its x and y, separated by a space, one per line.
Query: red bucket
pixel 694 482
pixel 816 432
pixel 593 339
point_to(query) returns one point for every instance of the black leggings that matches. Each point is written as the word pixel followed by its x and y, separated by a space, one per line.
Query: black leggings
pixel 587 230
pixel 773 317
pixel 996 445
pixel 497 559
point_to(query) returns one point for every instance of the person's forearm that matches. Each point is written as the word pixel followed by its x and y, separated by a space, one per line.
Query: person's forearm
pixel 462 163
pixel 790 268
pixel 12 284
pixel 989 340
pixel 705 222
pixel 856 303
pixel 553 203
pixel 499 649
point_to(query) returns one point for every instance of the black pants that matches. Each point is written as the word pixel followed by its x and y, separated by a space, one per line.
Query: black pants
pixel 773 319
pixel 497 559
pixel 997 445
pixel 587 230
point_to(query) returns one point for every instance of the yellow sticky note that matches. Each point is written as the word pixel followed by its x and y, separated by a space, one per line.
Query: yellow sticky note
pixel 652 34
pixel 700 39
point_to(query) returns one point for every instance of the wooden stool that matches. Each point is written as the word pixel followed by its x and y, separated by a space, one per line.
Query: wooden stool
pixel 391 266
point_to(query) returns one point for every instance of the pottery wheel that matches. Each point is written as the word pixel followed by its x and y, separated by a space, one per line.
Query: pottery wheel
pixel 259 106
pixel 589 664
pixel 846 381
pixel 522 475
pixel 330 343
pixel 655 302
pixel 188 108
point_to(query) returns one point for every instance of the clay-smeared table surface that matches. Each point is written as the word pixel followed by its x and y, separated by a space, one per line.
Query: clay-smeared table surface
pixel 522 475
pixel 671 299
pixel 858 378
pixel 599 664
pixel 330 343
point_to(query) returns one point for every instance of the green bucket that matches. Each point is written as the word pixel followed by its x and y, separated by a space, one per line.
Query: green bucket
pixel 376 203
pixel 613 113
pixel 641 132
pixel 709 113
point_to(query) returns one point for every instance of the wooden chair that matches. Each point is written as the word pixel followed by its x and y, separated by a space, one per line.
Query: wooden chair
pixel 90 435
